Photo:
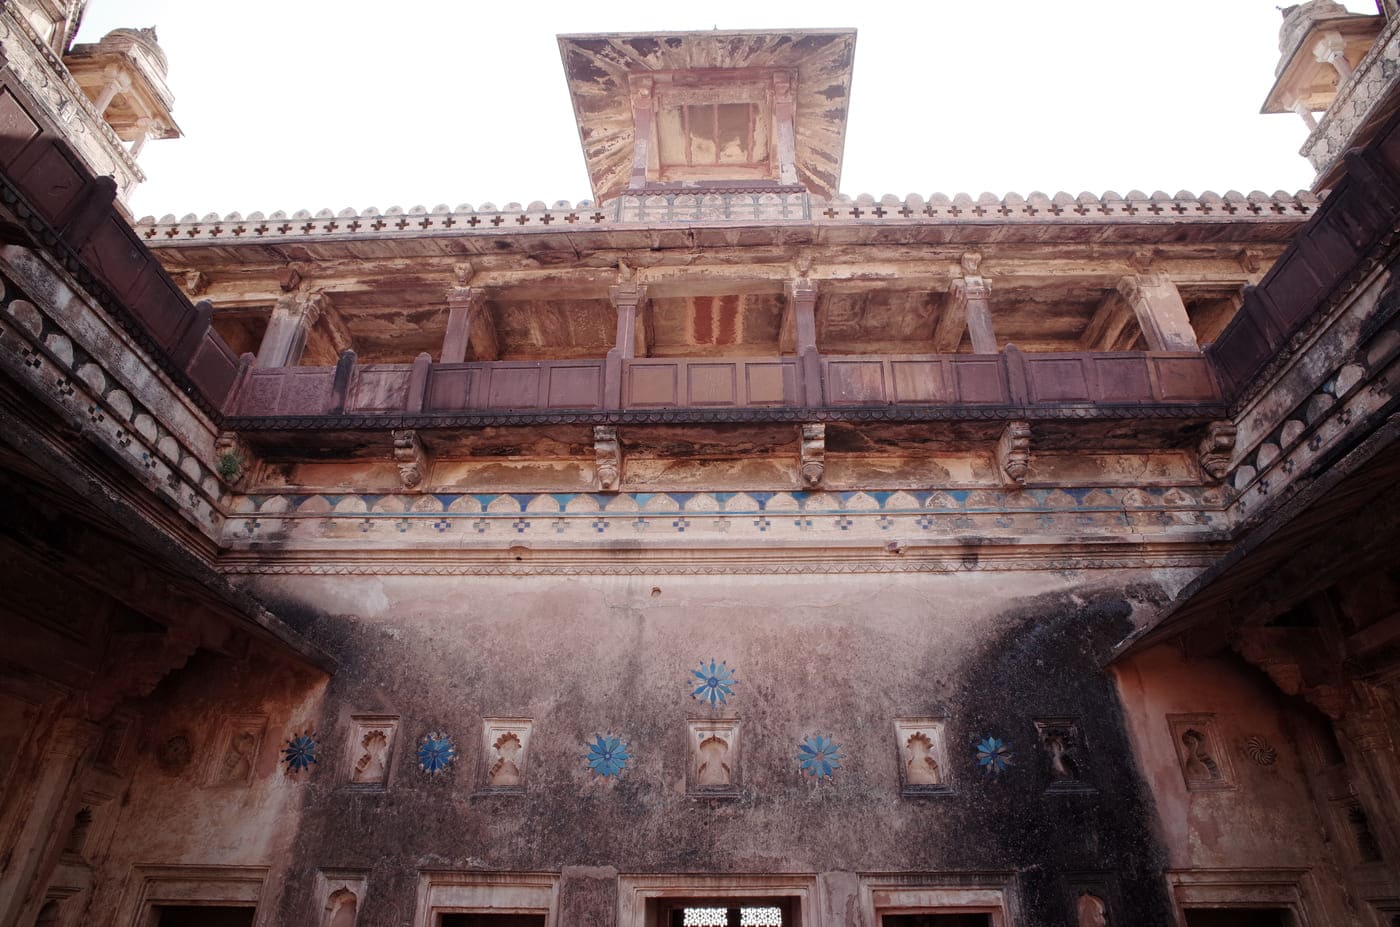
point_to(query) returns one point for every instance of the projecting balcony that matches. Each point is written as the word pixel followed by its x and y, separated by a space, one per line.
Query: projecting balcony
pixel 1074 384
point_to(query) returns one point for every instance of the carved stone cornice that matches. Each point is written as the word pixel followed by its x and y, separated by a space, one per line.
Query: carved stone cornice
pixel 65 103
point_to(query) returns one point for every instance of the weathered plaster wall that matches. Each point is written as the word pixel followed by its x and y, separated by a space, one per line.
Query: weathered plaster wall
pixel 196 807
pixel 1262 811
pixel 989 651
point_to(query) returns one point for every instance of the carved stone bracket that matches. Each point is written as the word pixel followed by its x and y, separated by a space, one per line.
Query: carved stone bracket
pixel 1218 449
pixel 410 457
pixel 813 454
pixel 608 449
pixel 196 282
pixel 135 663
pixel 1014 451
pixel 1295 660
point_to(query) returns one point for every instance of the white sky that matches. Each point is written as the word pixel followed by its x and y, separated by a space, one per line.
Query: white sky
pixel 310 104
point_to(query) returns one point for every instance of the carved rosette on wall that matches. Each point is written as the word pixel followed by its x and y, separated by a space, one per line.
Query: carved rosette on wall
pixel 819 756
pixel 1260 751
pixel 994 756
pixel 299 753
pixel 717 683
pixel 607 756
pixel 436 752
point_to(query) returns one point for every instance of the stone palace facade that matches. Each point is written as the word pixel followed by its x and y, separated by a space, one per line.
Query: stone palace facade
pixel 718 550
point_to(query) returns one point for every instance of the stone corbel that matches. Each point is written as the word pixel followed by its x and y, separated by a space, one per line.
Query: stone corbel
pixel 1217 449
pixel 1295 660
pixel 1014 451
pixel 813 454
pixel 410 457
pixel 135 663
pixel 607 450
pixel 196 282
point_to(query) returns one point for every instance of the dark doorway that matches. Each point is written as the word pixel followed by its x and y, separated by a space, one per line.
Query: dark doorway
pixel 1238 917
pixel 203 916
pixel 491 920
pixel 936 920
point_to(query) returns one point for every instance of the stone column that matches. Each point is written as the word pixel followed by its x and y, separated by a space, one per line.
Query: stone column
pixel 468 326
pixel 117 82
pixel 784 118
pixel 802 297
pixel 643 118
pixel 626 297
pixel 148 128
pixel 967 308
pixel 1304 113
pixel 1331 49
pixel 285 337
pixel 1160 312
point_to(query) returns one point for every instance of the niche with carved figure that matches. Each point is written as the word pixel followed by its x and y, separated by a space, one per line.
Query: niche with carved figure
pixel 343 891
pixel 1064 758
pixel 371 746
pixel 713 767
pixel 1204 762
pixel 922 756
pixel 236 748
pixel 507 754
pixel 341 909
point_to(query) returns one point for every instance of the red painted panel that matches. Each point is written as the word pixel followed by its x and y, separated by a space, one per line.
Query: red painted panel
pixel 117 257
pixel 513 387
pixel 652 383
pixel 213 368
pixel 711 384
pixel 448 387
pixel 17 127
pixel 979 379
pixel 575 386
pixel 379 388
pixel 855 382
pixel 52 181
pixel 1183 378
pixel 922 381
pixel 770 384
pixel 306 391
pixel 1123 379
pixel 1057 379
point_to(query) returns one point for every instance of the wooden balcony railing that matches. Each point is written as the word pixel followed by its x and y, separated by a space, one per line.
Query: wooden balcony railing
pixel 1011 378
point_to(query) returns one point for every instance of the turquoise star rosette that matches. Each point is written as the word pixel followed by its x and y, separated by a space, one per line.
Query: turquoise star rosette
pixel 994 756
pixel 717 683
pixel 435 752
pixel 300 752
pixel 819 757
pixel 607 756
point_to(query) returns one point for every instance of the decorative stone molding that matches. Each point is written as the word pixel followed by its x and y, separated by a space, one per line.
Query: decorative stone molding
pixel 608 453
pixel 1217 448
pixel 1014 451
pixel 410 457
pixel 721 207
pixel 47 78
pixel 813 454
